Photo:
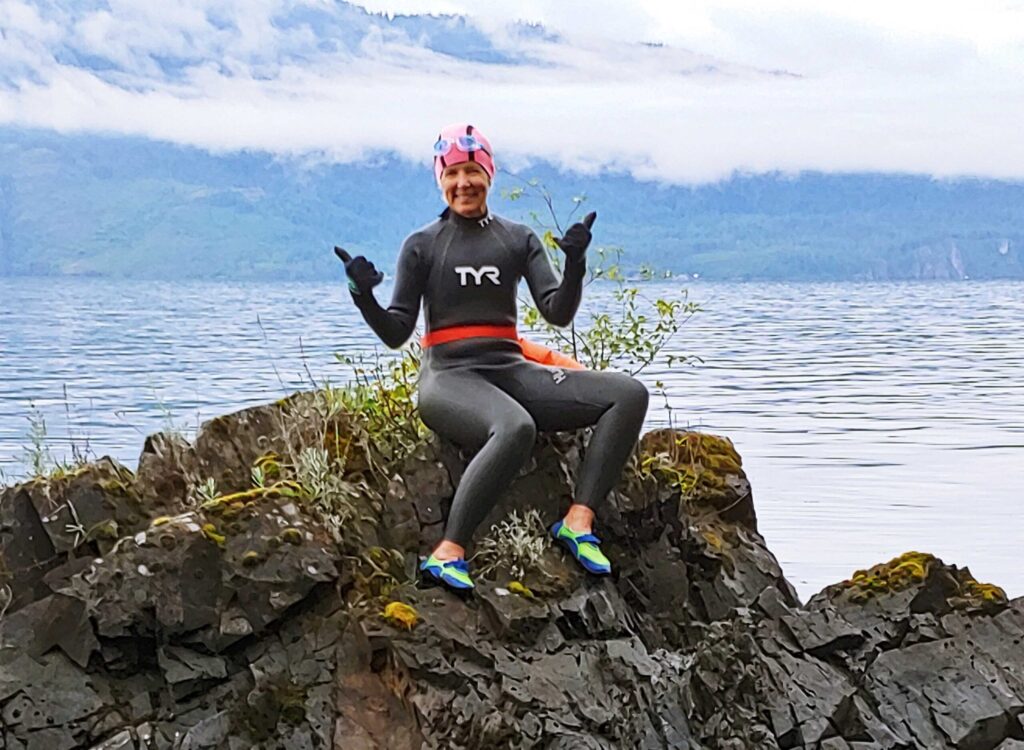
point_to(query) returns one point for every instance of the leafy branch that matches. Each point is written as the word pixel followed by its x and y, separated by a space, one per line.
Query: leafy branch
pixel 636 330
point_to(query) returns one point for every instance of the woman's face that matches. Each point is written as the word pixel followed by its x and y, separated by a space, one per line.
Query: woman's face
pixel 464 187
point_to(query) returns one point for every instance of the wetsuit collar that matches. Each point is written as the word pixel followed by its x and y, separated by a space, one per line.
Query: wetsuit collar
pixel 465 221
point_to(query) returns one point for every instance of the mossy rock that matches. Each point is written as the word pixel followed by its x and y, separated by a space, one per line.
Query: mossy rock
pixel 705 469
pixel 92 505
pixel 235 503
pixel 939 587
pixel 227 447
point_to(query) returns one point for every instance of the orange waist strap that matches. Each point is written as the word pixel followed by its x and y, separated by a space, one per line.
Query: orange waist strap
pixel 532 351
pixel 454 333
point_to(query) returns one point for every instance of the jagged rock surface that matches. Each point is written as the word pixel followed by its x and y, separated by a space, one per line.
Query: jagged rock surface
pixel 140 616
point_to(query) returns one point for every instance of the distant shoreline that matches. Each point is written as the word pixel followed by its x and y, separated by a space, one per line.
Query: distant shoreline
pixel 681 279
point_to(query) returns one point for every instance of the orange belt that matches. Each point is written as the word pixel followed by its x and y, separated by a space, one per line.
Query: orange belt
pixel 532 351
pixel 454 333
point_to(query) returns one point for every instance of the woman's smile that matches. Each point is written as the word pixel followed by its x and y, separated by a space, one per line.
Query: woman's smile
pixel 465 188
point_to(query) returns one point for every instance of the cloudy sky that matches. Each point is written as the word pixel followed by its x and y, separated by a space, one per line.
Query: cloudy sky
pixel 681 92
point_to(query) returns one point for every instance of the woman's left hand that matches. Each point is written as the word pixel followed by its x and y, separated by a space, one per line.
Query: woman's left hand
pixel 576 240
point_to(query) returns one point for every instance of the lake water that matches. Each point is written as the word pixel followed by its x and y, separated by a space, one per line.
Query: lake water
pixel 872 418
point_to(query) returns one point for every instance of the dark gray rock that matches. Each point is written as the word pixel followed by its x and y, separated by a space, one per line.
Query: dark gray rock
pixel 124 740
pixel 46 523
pixel 166 471
pixel 246 623
pixel 187 671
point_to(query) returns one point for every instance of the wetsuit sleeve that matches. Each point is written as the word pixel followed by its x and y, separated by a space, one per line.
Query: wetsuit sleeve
pixel 556 301
pixel 395 324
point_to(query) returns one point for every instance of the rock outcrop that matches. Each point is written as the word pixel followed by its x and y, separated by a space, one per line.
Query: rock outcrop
pixel 164 610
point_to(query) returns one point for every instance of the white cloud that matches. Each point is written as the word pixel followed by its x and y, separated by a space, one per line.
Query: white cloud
pixel 935 93
pixel 25 35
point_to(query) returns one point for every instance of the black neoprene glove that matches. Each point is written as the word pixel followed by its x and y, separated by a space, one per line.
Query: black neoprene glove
pixel 577 238
pixel 362 275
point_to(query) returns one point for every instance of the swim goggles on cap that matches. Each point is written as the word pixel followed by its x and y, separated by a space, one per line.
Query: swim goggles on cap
pixel 465 143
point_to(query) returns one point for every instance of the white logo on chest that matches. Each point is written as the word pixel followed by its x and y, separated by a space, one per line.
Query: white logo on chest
pixel 478 274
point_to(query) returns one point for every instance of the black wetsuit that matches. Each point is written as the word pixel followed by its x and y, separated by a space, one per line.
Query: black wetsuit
pixel 482 393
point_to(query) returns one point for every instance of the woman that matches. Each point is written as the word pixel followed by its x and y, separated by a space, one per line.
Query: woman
pixel 476 387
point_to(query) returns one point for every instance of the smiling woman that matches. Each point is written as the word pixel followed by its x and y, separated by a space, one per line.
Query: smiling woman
pixel 464 168
pixel 478 387
pixel 465 188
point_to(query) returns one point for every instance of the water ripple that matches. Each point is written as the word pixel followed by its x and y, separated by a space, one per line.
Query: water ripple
pixel 872 418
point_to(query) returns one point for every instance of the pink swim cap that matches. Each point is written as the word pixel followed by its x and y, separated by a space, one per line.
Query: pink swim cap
pixel 462 142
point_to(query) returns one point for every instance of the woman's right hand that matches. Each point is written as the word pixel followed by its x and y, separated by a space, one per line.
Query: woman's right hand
pixel 362 275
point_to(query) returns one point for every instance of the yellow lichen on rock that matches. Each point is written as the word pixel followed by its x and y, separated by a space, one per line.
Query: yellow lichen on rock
pixel 986 591
pixel 895 575
pixel 975 595
pixel 400 615
pixel 522 589
pixel 115 486
pixel 211 533
pixel 713 539
pixel 705 469
pixel 913 569
pixel 251 558
pixel 238 501
pixel 270 465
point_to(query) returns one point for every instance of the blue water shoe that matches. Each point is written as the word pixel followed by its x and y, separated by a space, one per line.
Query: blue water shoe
pixel 452 573
pixel 583 547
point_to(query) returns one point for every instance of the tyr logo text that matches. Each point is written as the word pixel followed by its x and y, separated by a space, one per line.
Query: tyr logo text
pixel 478 274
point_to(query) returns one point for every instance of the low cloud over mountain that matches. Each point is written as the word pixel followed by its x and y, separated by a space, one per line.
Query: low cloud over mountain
pixel 668 94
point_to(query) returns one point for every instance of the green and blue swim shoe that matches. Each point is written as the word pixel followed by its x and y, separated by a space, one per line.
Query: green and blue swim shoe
pixel 583 547
pixel 452 573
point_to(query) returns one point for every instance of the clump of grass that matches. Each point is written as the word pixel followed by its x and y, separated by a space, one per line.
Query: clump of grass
pixel 341 445
pixel 325 489
pixel 380 401
pixel 37 456
pixel 313 471
pixel 515 544
pixel 169 424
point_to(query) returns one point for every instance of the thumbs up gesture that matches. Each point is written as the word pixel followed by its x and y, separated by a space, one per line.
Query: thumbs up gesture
pixel 362 275
pixel 577 238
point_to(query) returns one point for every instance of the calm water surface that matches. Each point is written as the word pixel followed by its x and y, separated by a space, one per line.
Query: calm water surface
pixel 872 418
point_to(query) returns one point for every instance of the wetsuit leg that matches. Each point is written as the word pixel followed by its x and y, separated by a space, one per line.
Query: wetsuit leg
pixel 463 407
pixel 557 399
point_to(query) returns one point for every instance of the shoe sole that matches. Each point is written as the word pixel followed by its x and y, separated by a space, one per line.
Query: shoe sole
pixel 429 581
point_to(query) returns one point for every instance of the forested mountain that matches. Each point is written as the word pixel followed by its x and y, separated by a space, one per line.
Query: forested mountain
pixel 91 205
